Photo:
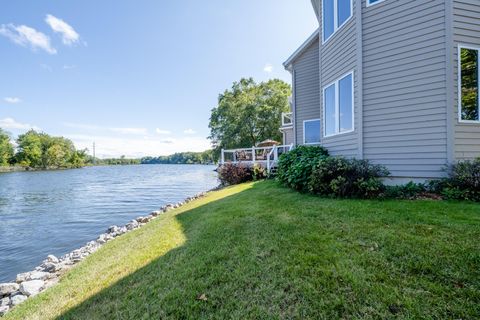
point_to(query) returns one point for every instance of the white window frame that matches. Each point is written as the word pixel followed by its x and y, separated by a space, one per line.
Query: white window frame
pixel 335 19
pixel 370 3
pixel 320 132
pixel 337 106
pixel 460 47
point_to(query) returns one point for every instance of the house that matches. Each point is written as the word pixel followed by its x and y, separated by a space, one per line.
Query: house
pixel 392 81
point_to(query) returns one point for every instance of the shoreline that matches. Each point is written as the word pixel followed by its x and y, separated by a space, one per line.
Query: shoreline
pixel 48 273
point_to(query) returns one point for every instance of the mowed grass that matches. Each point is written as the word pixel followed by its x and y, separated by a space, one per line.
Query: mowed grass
pixel 260 251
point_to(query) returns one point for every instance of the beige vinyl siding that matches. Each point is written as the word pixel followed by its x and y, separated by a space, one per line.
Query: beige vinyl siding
pixel 338 57
pixel 306 86
pixel 404 87
pixel 466 23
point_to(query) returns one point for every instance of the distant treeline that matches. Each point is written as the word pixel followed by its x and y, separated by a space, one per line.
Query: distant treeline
pixel 40 151
pixel 206 157
pixel 122 161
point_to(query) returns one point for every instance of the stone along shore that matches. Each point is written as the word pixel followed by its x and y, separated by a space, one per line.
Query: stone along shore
pixel 46 275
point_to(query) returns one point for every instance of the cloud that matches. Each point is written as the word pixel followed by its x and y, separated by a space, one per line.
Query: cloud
pixel 139 131
pixel 12 100
pixel 68 67
pixel 268 68
pixel 27 37
pixel 189 131
pixel 10 123
pixel 160 131
pixel 69 35
pixel 137 147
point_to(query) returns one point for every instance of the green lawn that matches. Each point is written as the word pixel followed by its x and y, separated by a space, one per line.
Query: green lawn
pixel 259 251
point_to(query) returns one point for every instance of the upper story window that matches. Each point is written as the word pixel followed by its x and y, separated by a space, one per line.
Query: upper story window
pixel 311 131
pixel 372 2
pixel 469 110
pixel 335 14
pixel 338 106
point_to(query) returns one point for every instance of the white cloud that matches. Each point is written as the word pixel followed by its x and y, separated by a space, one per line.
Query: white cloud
pixel 189 131
pixel 268 68
pixel 68 67
pixel 12 100
pixel 139 131
pixel 27 37
pixel 10 123
pixel 90 127
pixel 132 147
pixel 160 131
pixel 69 35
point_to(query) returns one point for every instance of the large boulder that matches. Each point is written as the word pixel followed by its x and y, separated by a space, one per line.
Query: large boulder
pixel 51 258
pixel 34 275
pixel 8 288
pixel 31 288
pixel 17 299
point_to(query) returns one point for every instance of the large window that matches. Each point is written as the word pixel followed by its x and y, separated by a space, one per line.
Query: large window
pixel 311 131
pixel 335 14
pixel 372 2
pixel 469 110
pixel 338 106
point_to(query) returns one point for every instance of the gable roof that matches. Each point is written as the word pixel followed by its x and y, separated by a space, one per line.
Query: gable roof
pixel 287 64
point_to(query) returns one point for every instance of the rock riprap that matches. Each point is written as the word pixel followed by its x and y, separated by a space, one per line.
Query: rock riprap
pixel 29 284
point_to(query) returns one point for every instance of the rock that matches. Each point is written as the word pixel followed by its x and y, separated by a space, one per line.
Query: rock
pixel 156 213
pixel 51 258
pixel 31 288
pixel 132 225
pixel 143 219
pixel 113 229
pixel 122 230
pixel 7 288
pixel 4 302
pixel 34 275
pixel 17 299
pixel 4 310
pixel 50 267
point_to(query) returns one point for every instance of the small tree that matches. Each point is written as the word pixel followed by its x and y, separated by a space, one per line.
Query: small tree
pixel 6 148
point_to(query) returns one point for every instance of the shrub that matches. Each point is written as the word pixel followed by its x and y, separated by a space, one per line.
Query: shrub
pixel 259 172
pixel 295 167
pixel 463 182
pixel 230 174
pixel 340 177
pixel 410 190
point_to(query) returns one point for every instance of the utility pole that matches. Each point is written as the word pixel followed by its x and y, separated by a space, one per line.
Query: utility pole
pixel 94 161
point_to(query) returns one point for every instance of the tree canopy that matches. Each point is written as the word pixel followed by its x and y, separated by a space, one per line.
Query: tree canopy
pixel 6 148
pixel 205 157
pixel 249 113
pixel 42 151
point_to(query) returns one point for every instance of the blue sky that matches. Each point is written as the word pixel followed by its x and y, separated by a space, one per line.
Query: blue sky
pixel 138 77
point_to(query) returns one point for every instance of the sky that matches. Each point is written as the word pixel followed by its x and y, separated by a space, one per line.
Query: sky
pixel 137 77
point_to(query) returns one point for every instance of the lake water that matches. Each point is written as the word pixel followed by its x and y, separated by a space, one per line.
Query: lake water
pixel 55 212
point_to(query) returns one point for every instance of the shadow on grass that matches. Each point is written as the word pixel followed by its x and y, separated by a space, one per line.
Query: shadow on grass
pixel 267 252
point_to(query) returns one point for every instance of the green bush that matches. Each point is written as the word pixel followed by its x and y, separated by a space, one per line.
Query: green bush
pixel 463 182
pixel 341 177
pixel 410 190
pixel 295 167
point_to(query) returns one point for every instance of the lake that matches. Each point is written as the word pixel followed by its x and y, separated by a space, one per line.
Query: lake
pixel 55 212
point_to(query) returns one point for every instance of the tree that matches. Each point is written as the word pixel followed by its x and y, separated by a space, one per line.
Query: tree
pixel 29 149
pixel 249 113
pixel 6 148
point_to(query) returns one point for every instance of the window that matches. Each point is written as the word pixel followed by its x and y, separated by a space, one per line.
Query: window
pixel 338 106
pixel 311 131
pixel 469 103
pixel 335 14
pixel 372 2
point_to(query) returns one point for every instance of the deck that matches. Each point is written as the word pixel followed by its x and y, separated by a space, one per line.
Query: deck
pixel 264 156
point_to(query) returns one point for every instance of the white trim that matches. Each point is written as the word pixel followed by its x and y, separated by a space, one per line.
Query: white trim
pixel 337 106
pixel 300 50
pixel 459 104
pixel 320 133
pixel 369 2
pixel 335 20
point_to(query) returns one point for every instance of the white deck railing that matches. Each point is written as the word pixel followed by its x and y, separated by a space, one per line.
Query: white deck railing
pixel 266 156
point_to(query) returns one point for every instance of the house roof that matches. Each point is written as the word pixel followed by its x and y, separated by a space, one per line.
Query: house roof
pixel 316 7
pixel 287 64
